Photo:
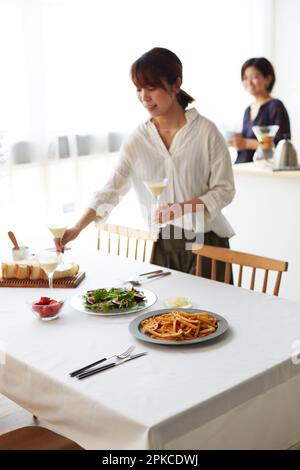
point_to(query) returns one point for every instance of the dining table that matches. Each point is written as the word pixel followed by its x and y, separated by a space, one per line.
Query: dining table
pixel 239 390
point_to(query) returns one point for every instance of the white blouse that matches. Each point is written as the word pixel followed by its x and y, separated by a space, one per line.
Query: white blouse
pixel 197 165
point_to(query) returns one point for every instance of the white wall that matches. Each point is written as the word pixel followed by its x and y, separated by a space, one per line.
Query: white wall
pixel 286 60
pixel 263 215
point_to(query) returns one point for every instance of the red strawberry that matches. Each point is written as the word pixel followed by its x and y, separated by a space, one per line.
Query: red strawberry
pixel 43 301
pixel 47 312
pixel 47 307
pixel 54 306
pixel 37 308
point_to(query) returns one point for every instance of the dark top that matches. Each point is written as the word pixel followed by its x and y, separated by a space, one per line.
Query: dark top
pixel 270 113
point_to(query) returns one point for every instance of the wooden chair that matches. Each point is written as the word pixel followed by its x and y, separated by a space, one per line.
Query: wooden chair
pixel 230 257
pixel 36 438
pixel 125 241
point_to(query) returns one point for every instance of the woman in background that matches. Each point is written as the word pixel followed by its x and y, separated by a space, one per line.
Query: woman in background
pixel 258 78
pixel 177 143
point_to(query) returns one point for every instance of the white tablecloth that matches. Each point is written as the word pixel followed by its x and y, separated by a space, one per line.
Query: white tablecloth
pixel 236 392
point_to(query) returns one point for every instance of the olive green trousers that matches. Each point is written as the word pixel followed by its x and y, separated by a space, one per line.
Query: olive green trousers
pixel 174 251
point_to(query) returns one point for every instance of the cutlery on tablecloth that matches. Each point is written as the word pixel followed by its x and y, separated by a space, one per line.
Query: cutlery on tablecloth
pixel 109 366
pixel 153 277
pixel 123 355
pixel 152 272
pixel 155 273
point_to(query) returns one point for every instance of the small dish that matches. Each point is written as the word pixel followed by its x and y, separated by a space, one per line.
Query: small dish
pixel 46 308
pixel 178 302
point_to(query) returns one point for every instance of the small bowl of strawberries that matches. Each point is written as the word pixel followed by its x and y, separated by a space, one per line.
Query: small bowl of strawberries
pixel 46 308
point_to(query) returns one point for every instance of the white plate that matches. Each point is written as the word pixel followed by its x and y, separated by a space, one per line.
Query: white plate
pixel 77 302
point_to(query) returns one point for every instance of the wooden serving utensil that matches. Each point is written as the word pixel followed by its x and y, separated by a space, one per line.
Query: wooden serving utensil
pixel 14 240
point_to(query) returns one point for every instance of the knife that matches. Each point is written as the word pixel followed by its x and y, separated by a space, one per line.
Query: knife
pixel 166 273
pixel 151 272
pixel 109 366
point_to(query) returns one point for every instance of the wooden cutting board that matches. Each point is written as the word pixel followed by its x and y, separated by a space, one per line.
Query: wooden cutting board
pixel 66 282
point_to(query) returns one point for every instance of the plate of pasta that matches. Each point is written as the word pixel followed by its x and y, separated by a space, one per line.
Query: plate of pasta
pixel 178 326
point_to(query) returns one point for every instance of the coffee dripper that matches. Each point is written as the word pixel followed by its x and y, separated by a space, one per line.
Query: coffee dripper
pixel 265 136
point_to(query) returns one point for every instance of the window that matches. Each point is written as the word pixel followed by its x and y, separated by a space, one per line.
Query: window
pixel 65 73
pixel 65 63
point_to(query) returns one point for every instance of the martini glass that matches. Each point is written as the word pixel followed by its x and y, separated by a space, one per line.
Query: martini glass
pixel 48 262
pixel 58 230
pixel 156 187
pixel 265 136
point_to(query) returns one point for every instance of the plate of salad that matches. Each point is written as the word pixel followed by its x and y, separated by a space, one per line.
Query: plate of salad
pixel 106 301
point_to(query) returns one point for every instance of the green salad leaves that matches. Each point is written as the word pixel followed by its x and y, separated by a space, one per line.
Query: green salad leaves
pixel 116 298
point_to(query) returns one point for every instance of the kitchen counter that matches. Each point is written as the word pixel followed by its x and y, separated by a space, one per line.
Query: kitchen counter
pixel 262 168
pixel 265 217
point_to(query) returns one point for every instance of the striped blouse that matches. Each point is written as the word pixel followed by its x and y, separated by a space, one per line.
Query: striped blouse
pixel 197 165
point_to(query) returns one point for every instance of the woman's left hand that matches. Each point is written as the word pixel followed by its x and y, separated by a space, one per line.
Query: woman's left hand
pixel 168 212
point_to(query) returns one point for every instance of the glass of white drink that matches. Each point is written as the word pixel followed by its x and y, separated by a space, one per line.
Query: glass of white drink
pixel 156 187
pixel 48 262
pixel 58 231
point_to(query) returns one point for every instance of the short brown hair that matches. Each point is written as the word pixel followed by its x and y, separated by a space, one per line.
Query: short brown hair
pixel 264 66
pixel 157 67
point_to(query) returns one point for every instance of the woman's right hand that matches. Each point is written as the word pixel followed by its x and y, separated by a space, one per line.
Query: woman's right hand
pixel 238 142
pixel 69 235
pixel 73 232
pixel 241 143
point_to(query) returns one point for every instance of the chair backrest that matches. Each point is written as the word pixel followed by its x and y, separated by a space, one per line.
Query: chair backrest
pixel 126 241
pixel 230 257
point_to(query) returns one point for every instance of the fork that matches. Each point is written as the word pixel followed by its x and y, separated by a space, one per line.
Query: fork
pixel 109 366
pixel 122 355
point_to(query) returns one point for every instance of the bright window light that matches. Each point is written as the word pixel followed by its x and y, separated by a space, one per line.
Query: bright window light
pixel 66 62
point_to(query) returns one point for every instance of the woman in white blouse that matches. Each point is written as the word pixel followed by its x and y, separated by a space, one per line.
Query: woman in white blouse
pixel 182 146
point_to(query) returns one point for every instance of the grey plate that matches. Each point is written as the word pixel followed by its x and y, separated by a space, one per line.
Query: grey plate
pixel 77 302
pixel 134 328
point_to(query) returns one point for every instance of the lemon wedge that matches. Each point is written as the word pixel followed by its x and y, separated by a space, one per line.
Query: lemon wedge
pixel 175 302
